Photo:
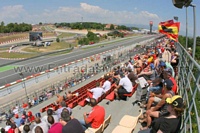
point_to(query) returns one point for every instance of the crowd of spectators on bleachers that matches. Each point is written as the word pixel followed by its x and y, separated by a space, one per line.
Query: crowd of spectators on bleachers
pixel 157 66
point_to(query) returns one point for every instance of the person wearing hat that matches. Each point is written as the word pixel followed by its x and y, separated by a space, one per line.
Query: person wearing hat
pixel 172 122
pixel 174 58
pixel 22 122
pixel 168 75
pixel 189 50
pixel 160 99
pixel 31 117
pixel 175 62
pixel 150 74
pixel 17 120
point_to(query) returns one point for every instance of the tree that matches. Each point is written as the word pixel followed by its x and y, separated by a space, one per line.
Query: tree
pixel 40 23
pixel 57 39
pixel 198 41
pixel 112 27
pixel 2 24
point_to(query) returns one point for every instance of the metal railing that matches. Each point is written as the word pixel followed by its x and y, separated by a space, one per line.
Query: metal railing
pixel 189 89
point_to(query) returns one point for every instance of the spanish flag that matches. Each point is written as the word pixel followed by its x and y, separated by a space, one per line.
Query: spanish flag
pixel 167 22
pixel 169 29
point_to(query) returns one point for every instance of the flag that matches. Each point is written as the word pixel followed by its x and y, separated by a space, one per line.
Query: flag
pixel 167 22
pixel 170 29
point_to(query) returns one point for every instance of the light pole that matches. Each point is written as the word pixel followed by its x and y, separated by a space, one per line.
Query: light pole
pixel 22 76
pixel 186 3
pixel 186 29
pixel 194 31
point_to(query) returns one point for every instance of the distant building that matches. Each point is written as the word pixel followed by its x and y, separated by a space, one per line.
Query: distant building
pixel 108 26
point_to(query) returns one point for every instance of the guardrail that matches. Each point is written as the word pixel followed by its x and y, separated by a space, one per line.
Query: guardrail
pixel 189 88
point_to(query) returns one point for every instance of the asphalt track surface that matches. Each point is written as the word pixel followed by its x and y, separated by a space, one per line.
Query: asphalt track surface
pixel 45 61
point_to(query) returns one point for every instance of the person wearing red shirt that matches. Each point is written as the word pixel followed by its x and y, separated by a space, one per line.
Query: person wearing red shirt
pixel 95 118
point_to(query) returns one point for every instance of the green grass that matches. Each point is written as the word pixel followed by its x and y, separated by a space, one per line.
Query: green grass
pixel 15 55
pixel 109 43
pixel 39 50
pixel 60 53
pixel 54 46
pixel 5 68
pixel 63 35
pixel 2 49
pixel 42 28
pixel 15 36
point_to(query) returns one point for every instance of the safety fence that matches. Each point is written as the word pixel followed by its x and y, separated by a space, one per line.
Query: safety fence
pixel 189 88
pixel 102 63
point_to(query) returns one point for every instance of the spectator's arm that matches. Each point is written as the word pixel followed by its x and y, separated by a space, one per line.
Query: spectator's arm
pixel 118 87
pixel 174 60
pixel 101 84
pixel 85 118
pixel 161 103
pixel 145 73
pixel 156 81
pixel 159 95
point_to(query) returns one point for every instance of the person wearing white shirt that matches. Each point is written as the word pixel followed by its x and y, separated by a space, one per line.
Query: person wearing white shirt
pixel 106 85
pixel 42 124
pixel 130 66
pixel 15 110
pixel 124 87
pixel 50 112
pixel 97 92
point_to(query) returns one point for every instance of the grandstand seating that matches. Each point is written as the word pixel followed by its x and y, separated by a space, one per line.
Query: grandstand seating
pixel 92 130
pixel 127 124
pixel 106 122
pixel 132 92
pixel 80 100
pixel 101 128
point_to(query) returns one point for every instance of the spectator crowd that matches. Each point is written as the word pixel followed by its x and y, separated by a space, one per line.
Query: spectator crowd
pixel 157 66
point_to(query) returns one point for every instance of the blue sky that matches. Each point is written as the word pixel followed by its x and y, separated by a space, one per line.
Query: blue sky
pixel 135 12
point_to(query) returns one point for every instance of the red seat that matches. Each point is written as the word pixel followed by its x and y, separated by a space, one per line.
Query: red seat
pixel 82 103
pixel 111 96
pixel 133 91
pixel 42 110
pixel 73 104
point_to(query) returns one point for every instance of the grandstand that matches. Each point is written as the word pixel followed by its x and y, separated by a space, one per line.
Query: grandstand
pixel 122 110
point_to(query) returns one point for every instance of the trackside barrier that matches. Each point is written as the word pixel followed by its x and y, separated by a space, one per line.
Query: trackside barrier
pixel 106 59
pixel 189 88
